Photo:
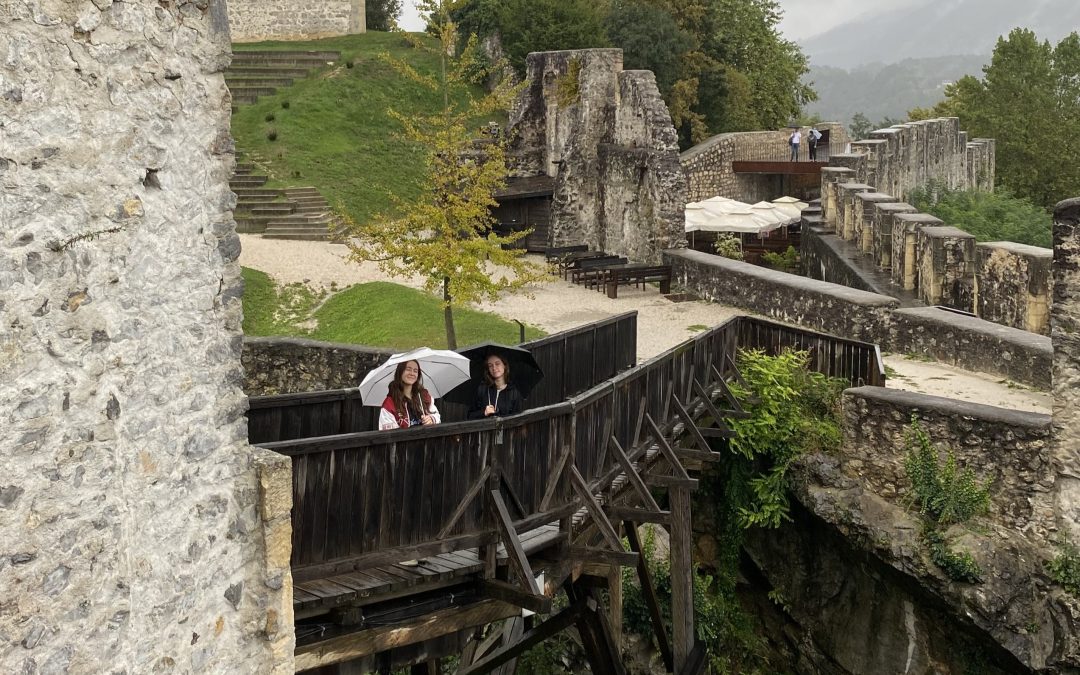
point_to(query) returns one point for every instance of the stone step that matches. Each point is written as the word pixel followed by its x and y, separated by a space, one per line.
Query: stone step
pixel 252 204
pixel 306 198
pixel 234 82
pixel 279 208
pixel 300 221
pixel 255 193
pixel 275 62
pixel 242 167
pixel 312 208
pixel 247 181
pixel 244 100
pixel 298 236
pixel 267 72
pixel 249 226
pixel 303 191
pixel 245 92
pixel 252 54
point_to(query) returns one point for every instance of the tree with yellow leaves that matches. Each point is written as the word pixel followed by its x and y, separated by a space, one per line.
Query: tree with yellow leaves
pixel 446 235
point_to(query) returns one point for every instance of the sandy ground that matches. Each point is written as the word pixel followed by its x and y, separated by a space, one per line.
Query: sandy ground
pixel 558 305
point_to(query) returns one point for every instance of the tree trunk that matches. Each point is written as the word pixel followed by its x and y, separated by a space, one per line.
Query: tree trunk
pixel 448 315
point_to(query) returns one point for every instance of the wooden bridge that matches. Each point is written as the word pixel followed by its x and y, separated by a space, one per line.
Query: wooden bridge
pixel 487 506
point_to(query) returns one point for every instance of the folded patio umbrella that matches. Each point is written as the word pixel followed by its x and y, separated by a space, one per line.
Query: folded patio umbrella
pixel 442 370
pixel 525 372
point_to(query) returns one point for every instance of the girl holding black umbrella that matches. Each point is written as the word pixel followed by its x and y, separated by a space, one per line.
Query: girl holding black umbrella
pixel 497 396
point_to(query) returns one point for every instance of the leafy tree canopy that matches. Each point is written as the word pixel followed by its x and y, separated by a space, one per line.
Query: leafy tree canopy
pixel 1028 100
pixel 721 65
pixel 382 14
pixel 990 216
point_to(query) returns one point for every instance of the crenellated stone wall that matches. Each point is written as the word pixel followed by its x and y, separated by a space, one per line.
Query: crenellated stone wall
pixel 606 137
pixel 134 535
pixel 1066 367
pixel 925 261
pixel 259 20
pixel 709 173
pixel 945 336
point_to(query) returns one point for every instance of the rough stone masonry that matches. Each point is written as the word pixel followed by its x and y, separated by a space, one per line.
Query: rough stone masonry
pixel 136 525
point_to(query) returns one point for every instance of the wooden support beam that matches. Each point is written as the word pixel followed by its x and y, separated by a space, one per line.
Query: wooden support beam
pixel 633 476
pixel 474 490
pixel 690 426
pixel 512 631
pixel 602 556
pixel 713 432
pixel 556 476
pixel 698 455
pixel 528 640
pixel 735 408
pixel 639 515
pixel 669 482
pixel 682 576
pixel 593 507
pixel 665 447
pixel 636 438
pixel 648 590
pixel 698 661
pixel 509 490
pixel 711 411
pixel 507 592
pixel 519 562
pixel 441 622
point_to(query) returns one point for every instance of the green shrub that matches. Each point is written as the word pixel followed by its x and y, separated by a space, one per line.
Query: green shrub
pixel 1065 568
pixel 942 492
pixel 728 245
pixel 958 566
pixel 788 261
pixel 989 216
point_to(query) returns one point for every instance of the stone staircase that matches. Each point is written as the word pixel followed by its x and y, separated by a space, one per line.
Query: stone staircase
pixel 260 73
pixel 291 213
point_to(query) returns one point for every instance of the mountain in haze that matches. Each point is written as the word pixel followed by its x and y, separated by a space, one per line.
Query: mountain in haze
pixel 933 28
pixel 879 91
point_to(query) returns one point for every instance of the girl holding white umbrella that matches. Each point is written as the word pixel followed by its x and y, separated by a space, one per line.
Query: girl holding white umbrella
pixel 408 403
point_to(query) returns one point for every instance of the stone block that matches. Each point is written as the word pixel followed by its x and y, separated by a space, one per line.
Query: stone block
pixel 275 484
pixel 863 218
pixel 848 203
pixel 1012 285
pixel 882 217
pixel 831 177
pixel 946 258
pixel 905 249
pixel 872 150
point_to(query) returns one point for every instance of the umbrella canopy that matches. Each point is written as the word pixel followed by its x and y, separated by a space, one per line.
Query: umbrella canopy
pixel 790 205
pixel 442 370
pixel 771 214
pixel 525 372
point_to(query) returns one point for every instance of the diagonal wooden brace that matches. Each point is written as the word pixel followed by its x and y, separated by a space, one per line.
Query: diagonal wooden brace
pixel 597 513
pixel 516 555
pixel 634 477
pixel 474 490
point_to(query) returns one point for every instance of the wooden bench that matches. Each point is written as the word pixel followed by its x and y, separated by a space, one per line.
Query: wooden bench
pixel 593 271
pixel 624 275
pixel 557 252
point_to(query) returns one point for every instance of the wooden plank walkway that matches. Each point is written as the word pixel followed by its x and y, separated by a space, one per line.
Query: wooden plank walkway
pixel 385 582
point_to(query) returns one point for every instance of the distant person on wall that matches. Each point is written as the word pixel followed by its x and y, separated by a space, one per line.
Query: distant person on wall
pixel 496 396
pixel 794 140
pixel 408 403
pixel 813 136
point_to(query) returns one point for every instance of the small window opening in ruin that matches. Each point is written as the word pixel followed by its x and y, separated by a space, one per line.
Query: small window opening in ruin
pixel 150 180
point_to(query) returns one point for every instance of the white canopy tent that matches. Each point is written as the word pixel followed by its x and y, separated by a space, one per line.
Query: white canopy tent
pixel 791 206
pixel 720 214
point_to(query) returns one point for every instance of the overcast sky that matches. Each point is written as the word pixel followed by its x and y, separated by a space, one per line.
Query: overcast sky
pixel 802 18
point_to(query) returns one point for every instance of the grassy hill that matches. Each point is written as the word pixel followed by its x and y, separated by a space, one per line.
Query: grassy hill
pixel 335 132
pixel 366 314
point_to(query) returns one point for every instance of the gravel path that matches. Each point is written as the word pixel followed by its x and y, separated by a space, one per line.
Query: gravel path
pixel 558 305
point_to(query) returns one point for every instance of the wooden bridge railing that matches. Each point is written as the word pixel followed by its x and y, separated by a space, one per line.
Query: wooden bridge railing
pixel 572 361
pixel 364 499
pixel 858 362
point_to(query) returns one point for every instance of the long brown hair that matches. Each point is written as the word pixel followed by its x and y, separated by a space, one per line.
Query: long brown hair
pixel 506 369
pixel 420 400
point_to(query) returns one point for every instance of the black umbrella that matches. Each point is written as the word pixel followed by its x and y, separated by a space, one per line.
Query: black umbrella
pixel 525 372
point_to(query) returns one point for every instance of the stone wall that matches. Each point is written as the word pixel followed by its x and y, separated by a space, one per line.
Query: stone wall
pixel 1008 447
pixel 274 365
pixel 258 20
pixel 707 165
pixel 964 341
pixel 606 137
pixel 1012 285
pixel 1066 337
pixel 131 538
pixel 937 265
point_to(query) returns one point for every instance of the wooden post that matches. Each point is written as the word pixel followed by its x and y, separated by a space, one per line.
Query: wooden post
pixel 682 581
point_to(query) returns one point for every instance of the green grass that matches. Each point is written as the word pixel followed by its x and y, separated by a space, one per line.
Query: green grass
pixel 336 133
pixel 377 314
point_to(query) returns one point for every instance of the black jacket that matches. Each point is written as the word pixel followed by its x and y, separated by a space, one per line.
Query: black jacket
pixel 506 402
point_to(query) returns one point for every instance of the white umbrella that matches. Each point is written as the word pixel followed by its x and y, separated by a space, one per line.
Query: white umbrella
pixel 442 370
pixel 791 206
pixel 771 215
